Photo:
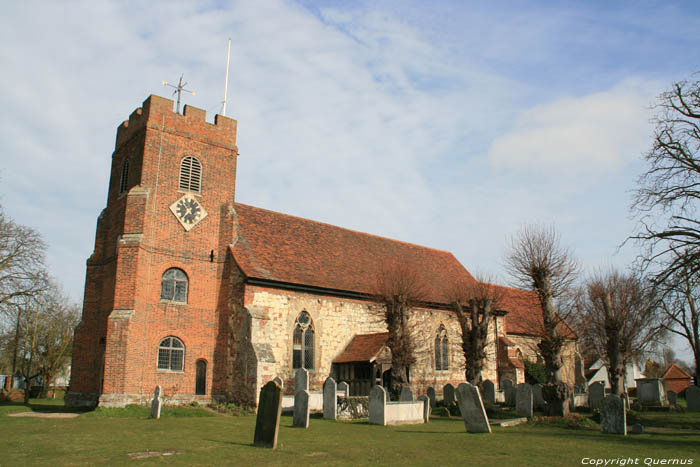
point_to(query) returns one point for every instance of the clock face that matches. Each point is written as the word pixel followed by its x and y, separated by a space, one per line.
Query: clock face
pixel 188 211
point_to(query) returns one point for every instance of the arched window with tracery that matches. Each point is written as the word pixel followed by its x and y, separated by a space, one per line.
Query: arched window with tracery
pixel 442 351
pixel 191 174
pixel 303 342
pixel 174 286
pixel 171 354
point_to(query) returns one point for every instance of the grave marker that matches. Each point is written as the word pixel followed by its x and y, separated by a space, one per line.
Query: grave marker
pixel 301 380
pixel 156 403
pixel 330 399
pixel 472 409
pixel 672 397
pixel 448 394
pixel 426 407
pixel 377 405
pixel 523 400
pixel 267 422
pixel 406 394
pixel 596 392
pixel 489 391
pixel 692 397
pixel 343 389
pixel 613 418
pixel 301 409
pixel 431 396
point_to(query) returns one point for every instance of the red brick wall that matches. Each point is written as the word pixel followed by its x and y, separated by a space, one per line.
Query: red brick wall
pixel 138 239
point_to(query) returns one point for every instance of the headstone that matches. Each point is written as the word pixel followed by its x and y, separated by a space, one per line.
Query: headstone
pixel 509 392
pixel 472 408
pixel 377 405
pixel 650 392
pixel 672 397
pixel 489 391
pixel 267 422
pixel 692 398
pixel 596 392
pixel 343 389
pixel 523 400
pixel 431 396
pixel 448 394
pixel 426 407
pixel 537 399
pixel 279 381
pixel 301 380
pixel 156 403
pixel 613 416
pixel 330 399
pixel 406 394
pixel 301 409
pixel 637 429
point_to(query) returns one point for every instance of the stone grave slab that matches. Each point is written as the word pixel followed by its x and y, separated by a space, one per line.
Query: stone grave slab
pixel 596 393
pixel 343 389
pixel 448 394
pixel 431 396
pixel 672 397
pixel 406 394
pixel 692 397
pixel 426 407
pixel 523 400
pixel 301 409
pixel 301 380
pixel 156 403
pixel 377 405
pixel 613 416
pixel 472 408
pixel 489 391
pixel 267 422
pixel 330 399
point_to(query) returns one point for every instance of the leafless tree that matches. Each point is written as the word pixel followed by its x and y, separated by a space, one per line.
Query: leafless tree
pixel 621 320
pixel 537 261
pixel 667 197
pixel 475 303
pixel 399 288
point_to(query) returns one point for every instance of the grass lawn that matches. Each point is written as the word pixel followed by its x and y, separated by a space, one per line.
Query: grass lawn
pixel 108 436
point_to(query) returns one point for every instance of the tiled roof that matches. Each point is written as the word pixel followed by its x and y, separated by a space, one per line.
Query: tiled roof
pixel 363 348
pixel 290 249
pixel 524 314
pixel 676 372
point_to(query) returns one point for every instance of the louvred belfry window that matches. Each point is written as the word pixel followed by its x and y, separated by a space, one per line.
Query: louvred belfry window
pixel 191 175
pixel 303 342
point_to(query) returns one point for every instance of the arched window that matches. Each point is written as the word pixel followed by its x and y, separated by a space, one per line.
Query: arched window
pixel 442 351
pixel 171 354
pixel 174 286
pixel 191 174
pixel 303 342
pixel 124 181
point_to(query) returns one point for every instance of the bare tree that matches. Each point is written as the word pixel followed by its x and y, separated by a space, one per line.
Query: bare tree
pixel 622 320
pixel 475 303
pixel 398 289
pixel 537 261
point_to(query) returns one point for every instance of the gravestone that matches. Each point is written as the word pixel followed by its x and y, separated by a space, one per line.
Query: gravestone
pixel 301 380
pixel 596 392
pixel 267 423
pixel 523 400
pixel 613 417
pixel 489 391
pixel 279 381
pixel 156 403
pixel 406 394
pixel 448 394
pixel 343 389
pixel 431 396
pixel 377 405
pixel 692 397
pixel 330 399
pixel 650 392
pixel 509 392
pixel 426 407
pixel 672 397
pixel 301 409
pixel 472 409
pixel 637 429
pixel 537 399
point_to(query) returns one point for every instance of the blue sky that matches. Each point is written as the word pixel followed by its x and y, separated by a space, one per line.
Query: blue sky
pixel 447 124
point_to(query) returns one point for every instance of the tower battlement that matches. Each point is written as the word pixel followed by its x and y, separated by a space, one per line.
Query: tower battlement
pixel 157 112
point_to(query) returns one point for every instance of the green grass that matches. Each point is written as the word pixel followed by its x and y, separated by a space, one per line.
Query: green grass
pixel 106 436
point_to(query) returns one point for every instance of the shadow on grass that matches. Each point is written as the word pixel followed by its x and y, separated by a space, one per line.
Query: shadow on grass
pixel 46 407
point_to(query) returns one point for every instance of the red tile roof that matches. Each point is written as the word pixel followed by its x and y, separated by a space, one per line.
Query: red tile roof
pixel 676 372
pixel 290 249
pixel 363 348
pixel 524 313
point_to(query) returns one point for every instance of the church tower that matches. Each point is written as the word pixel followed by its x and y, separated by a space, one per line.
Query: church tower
pixel 156 305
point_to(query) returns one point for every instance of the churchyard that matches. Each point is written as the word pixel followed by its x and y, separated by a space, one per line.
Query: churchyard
pixel 198 436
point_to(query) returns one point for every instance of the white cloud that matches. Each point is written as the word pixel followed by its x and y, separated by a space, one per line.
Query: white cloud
pixel 596 132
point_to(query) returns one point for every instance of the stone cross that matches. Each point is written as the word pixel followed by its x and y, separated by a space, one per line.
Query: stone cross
pixel 330 399
pixel 301 409
pixel 448 394
pixel 431 396
pixel 613 417
pixel 267 423
pixel 377 405
pixel 523 400
pixel 156 403
pixel 692 397
pixel 406 394
pixel 426 407
pixel 596 392
pixel 472 409
pixel 489 391
pixel 301 380
pixel 343 389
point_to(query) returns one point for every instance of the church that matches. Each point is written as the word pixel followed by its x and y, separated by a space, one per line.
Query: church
pixel 211 299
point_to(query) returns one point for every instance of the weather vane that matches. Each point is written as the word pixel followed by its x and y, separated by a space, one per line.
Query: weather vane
pixel 178 90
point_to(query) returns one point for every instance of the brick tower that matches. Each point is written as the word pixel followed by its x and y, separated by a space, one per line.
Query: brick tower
pixel 156 303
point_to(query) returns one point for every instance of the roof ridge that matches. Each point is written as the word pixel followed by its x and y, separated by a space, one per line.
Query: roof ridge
pixel 348 229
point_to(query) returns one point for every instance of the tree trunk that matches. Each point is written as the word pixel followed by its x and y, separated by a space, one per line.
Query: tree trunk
pixel 552 343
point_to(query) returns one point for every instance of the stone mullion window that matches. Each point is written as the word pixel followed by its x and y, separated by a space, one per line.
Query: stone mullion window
pixel 303 342
pixel 442 350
